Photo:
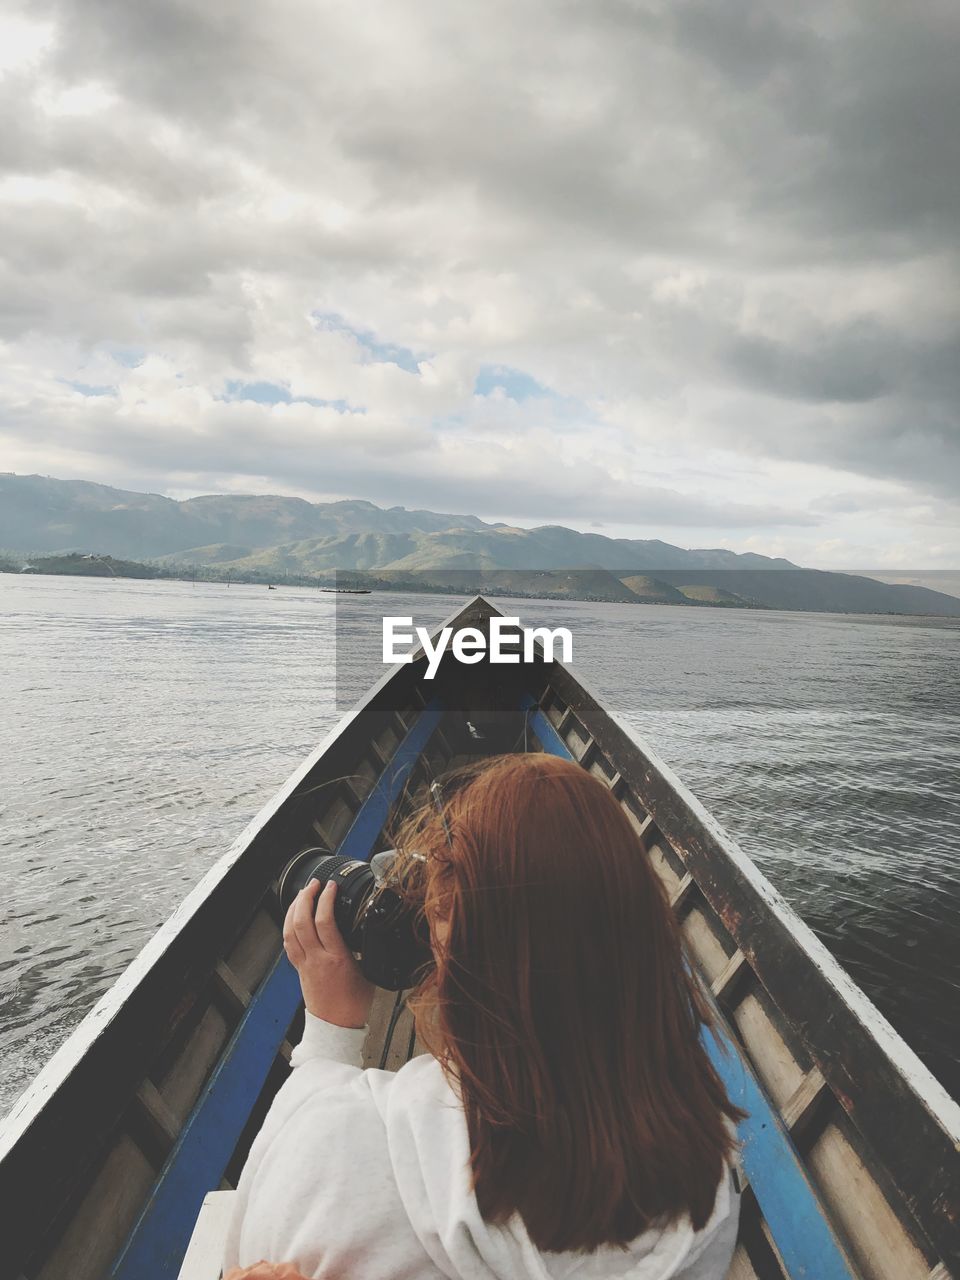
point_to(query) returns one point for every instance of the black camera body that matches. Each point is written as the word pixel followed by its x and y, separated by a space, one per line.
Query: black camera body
pixel 378 926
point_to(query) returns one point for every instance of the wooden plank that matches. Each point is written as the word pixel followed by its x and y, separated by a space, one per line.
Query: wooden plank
pixel 642 823
pixel 741 1268
pixel 555 712
pixel 776 1066
pixel 877 1240
pixel 104 1217
pixel 727 981
pixel 230 991
pixel 356 791
pixel 255 952
pixel 400 1042
pixel 703 944
pixel 601 768
pixel 753 1240
pixel 576 737
pixel 682 891
pixel 336 819
pixel 322 835
pixel 380 1011
pixel 204 1257
pixel 662 864
pixel 799 1108
pixel 548 735
pixel 402 1045
pixel 180 1086
pixel 565 721
pixel 364 778
pixel 386 741
pixel 647 830
pixel 160 1119
pixel 775 1255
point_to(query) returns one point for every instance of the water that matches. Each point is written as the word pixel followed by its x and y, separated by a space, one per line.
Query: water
pixel 144 723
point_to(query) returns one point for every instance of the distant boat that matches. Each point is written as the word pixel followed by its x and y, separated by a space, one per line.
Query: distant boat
pixel 269 588
pixel 347 591
pixel 850 1150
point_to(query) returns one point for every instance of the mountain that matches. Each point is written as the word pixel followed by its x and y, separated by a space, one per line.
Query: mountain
pixel 38 513
pixel 266 534
pixel 944 580
pixel 813 589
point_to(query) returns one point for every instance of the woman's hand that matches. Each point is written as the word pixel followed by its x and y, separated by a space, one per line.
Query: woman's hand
pixel 333 987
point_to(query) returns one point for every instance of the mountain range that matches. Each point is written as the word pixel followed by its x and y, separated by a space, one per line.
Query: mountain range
pixel 257 534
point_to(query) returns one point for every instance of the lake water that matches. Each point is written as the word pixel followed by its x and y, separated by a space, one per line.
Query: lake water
pixel 143 724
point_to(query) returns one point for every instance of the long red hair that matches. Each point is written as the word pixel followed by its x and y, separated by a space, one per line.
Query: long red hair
pixel 561 1006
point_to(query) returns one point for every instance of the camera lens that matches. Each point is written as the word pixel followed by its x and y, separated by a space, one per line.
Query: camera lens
pixel 355 884
pixel 373 918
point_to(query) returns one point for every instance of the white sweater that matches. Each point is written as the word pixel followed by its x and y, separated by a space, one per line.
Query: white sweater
pixel 364 1175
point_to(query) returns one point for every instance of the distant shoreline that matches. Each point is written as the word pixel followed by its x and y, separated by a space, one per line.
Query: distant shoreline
pixel 85 565
pixel 304 582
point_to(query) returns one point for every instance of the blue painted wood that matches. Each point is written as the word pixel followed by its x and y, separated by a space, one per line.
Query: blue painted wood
pixel 803 1236
pixel 370 817
pixel 155 1248
pixel 156 1245
pixel 550 740
pixel 789 1204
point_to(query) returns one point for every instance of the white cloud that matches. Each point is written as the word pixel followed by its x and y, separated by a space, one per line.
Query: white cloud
pixel 725 248
pixel 22 42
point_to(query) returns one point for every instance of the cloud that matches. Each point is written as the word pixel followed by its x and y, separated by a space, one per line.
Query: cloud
pixel 653 263
pixel 149 418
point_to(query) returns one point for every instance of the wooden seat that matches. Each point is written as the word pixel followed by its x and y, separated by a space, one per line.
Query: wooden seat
pixel 204 1257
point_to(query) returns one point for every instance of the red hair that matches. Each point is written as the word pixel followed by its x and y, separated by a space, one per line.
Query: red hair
pixel 561 1003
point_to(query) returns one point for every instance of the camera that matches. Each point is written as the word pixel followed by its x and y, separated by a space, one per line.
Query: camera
pixel 377 924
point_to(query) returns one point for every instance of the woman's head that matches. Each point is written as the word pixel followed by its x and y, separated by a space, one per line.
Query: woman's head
pixel 561 1004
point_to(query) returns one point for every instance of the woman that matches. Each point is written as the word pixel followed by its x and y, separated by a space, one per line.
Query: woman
pixel 567 1122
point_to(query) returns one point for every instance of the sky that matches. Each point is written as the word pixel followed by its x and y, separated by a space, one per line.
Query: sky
pixel 655 269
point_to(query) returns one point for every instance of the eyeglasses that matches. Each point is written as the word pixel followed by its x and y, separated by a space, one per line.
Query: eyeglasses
pixel 437 792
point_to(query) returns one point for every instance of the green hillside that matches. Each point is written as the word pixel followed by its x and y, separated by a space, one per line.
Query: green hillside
pixel 651 590
pixel 704 593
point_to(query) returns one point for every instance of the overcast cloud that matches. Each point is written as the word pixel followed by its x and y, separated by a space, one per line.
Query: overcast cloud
pixel 670 269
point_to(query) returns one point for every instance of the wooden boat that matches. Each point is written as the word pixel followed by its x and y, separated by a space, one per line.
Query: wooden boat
pixel 850 1150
